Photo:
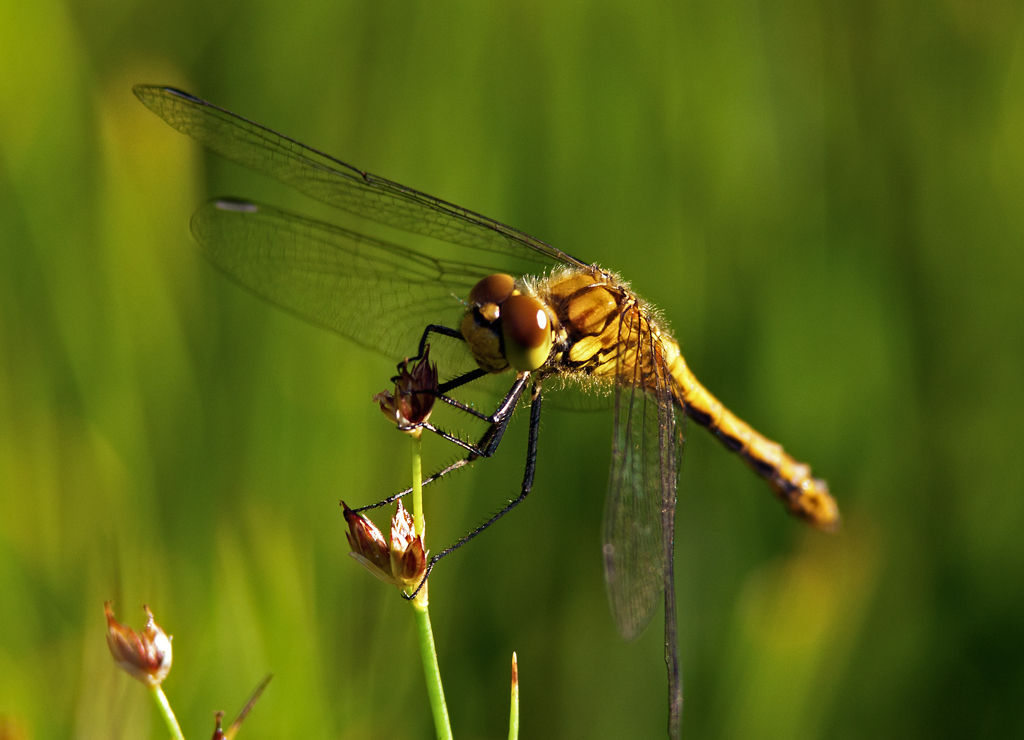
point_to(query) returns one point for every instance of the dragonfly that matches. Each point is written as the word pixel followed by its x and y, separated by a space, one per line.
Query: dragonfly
pixel 507 305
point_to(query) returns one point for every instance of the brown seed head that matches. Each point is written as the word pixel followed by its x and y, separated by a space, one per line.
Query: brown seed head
pixel 145 656
pixel 403 563
pixel 368 545
pixel 408 556
pixel 218 732
pixel 411 403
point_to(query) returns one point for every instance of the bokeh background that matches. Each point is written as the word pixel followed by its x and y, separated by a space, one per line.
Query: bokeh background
pixel 825 199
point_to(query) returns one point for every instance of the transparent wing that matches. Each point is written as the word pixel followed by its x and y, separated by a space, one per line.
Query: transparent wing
pixel 642 482
pixel 379 294
pixel 338 184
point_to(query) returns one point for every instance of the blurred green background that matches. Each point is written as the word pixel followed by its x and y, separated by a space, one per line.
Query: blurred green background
pixel 825 200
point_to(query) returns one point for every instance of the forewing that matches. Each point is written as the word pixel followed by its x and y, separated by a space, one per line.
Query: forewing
pixel 338 184
pixel 379 294
pixel 642 482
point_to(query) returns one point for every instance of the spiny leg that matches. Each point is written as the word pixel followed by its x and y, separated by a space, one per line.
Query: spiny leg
pixel 485 447
pixel 444 331
pixel 531 465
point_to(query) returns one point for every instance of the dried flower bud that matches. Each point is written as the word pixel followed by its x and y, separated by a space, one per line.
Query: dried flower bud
pixel 411 403
pixel 403 563
pixel 218 732
pixel 408 557
pixel 145 656
pixel 368 545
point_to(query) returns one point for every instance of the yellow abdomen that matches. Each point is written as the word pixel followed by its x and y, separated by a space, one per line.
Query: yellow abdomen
pixel 805 496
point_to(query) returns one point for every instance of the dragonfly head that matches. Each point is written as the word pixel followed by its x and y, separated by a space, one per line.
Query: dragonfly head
pixel 505 328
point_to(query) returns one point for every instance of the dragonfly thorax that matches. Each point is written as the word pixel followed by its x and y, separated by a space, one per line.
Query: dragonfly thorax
pixel 505 327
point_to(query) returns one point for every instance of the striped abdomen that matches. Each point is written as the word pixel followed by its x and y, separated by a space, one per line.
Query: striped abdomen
pixel 605 330
pixel 805 496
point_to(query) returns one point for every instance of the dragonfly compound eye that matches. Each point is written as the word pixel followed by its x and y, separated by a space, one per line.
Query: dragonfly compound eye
pixel 492 289
pixel 480 326
pixel 527 331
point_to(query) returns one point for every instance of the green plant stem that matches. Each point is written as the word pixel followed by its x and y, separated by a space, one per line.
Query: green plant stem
pixel 417 484
pixel 432 673
pixel 167 712
pixel 431 670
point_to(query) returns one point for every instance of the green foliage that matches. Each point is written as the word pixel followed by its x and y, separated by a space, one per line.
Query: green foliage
pixel 824 200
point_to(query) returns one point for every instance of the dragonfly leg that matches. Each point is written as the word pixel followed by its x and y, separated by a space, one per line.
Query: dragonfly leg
pixel 458 382
pixel 531 466
pixel 441 394
pixel 486 447
pixel 450 385
pixel 445 331
pixel 460 463
pixel 497 421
